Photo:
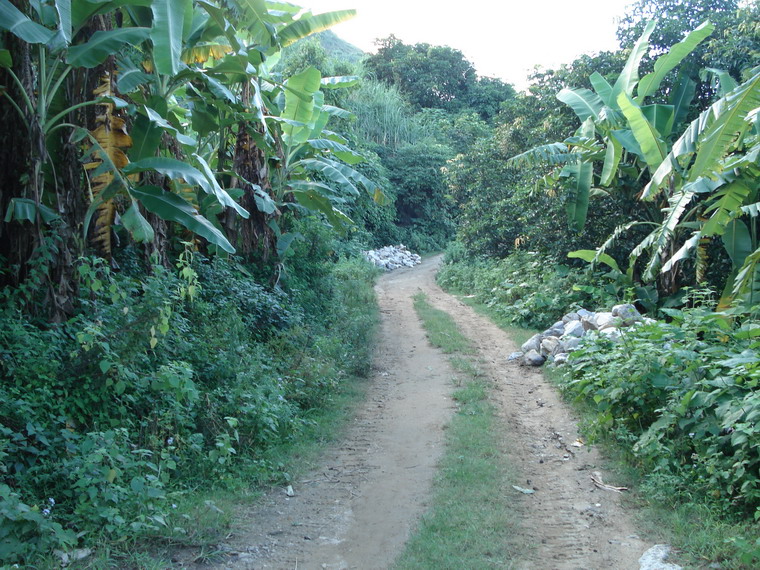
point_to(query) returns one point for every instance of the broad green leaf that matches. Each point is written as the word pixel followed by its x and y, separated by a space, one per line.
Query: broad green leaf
pixel 584 102
pixel 548 154
pixel 105 43
pixel 258 22
pixel 337 112
pixel 339 82
pixel 166 34
pixel 284 242
pixel 676 54
pixel 681 98
pixel 729 201
pixel 63 7
pixel 130 79
pixel 264 202
pixel 652 146
pixel 738 242
pixel 682 253
pixel 627 141
pixel 660 117
pixel 316 202
pixel 717 138
pixel 331 172
pixel 305 26
pixel 137 225
pixel 342 151
pixel 215 189
pixel 176 169
pixel 21 26
pixel 630 74
pixel 299 104
pixel 612 158
pixel 576 201
pixel 24 209
pixel 603 88
pixel 172 208
pixel 592 256
pixel 747 278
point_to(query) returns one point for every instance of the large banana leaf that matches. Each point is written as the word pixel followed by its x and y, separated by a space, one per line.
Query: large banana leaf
pixel 603 88
pixel 332 171
pixel 343 152
pixel 652 146
pixel 584 102
pixel 258 22
pixel 611 161
pixel 307 25
pixel 725 81
pixel 717 138
pixel 681 98
pixel 661 237
pixel 738 242
pixel 172 208
pixel 340 82
pixel 20 25
pixel 551 154
pixel 299 105
pixel 166 34
pixel 665 63
pixel 63 8
pixel 576 202
pixel 660 117
pixel 105 43
pixel 729 201
pixel 176 169
pixel 628 78
pixel 137 225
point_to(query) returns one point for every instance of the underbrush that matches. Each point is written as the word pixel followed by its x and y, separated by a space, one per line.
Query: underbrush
pixel 525 289
pixel 677 401
pixel 681 401
pixel 163 384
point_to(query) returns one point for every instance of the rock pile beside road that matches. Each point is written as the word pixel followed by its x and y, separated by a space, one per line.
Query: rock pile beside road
pixel 392 257
pixel 564 336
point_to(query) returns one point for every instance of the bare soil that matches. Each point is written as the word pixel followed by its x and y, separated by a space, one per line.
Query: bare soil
pixel 359 506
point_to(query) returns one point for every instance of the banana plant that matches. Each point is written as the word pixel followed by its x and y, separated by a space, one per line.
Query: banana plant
pixel 51 33
pixel 626 135
pixel 716 157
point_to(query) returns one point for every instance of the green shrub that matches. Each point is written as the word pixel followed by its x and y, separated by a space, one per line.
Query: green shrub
pixel 683 400
pixel 169 381
pixel 526 289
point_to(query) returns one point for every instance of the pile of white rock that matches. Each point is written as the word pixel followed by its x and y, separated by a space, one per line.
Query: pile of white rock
pixel 392 257
pixel 564 336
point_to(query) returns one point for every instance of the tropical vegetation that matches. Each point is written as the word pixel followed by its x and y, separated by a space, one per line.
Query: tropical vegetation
pixel 185 190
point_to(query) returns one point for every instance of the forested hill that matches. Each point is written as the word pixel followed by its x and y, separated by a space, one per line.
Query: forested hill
pixel 339 49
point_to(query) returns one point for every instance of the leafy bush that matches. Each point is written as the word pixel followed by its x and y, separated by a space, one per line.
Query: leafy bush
pixel 682 398
pixel 164 382
pixel 526 289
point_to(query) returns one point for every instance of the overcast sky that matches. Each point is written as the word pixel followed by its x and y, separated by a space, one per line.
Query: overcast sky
pixel 503 39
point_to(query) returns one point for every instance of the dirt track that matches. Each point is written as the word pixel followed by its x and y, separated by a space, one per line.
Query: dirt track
pixel 359 506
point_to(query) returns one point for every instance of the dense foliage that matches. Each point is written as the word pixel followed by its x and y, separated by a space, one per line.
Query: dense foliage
pixel 162 382
pixel 643 163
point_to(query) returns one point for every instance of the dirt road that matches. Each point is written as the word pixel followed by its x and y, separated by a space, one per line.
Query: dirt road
pixel 358 508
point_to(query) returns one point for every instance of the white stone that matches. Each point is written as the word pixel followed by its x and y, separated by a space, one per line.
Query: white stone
pixel 655 557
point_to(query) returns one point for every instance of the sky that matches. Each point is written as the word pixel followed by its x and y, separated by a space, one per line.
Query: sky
pixel 501 38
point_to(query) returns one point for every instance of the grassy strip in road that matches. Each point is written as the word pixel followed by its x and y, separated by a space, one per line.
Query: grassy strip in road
pixel 473 513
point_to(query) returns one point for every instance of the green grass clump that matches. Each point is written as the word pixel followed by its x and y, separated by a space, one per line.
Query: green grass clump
pixel 473 517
